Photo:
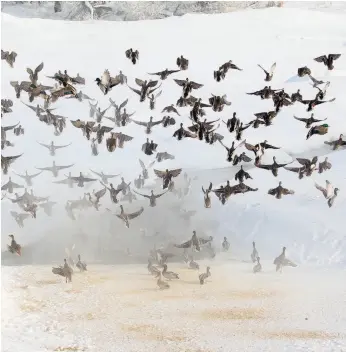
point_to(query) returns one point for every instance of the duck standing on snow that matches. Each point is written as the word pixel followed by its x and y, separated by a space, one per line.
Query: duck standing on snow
pixel 225 245
pixel 81 265
pixel 153 270
pixel 204 276
pixel 193 265
pixel 258 267
pixel 14 247
pixel 330 193
pixel 282 261
pixel 320 130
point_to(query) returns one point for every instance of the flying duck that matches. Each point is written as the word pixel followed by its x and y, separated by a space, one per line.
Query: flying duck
pixel 337 143
pixel 127 217
pixel 10 186
pixel 207 199
pixel 152 198
pixel 147 88
pixel 310 165
pixel 106 82
pixel 6 161
pixel 279 191
pixel 47 207
pixel 19 218
pixel 303 71
pixel 274 168
pixel 167 176
pixel 161 156
pixel 299 170
pixel 54 169
pixel 282 261
pixel 239 158
pixel 121 138
pixel 52 148
pixel 330 193
pixel 308 122
pixel 324 166
pixel 320 130
pixel 148 125
pixel 314 102
pixel 241 175
pixel 14 247
pixel 231 150
pixel 9 57
pixel 182 63
pixel 296 96
pixel 132 55
pixel 188 86
pixel 328 60
pixel 165 73
pixel 270 74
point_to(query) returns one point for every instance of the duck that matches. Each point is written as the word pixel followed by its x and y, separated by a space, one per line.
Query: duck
pixel 225 245
pixel 165 73
pixel 319 130
pixel 19 218
pixel 308 122
pixel 106 82
pixel 330 193
pixel 9 57
pixel 337 143
pixel 162 284
pixel 54 168
pixel 296 96
pixel 104 177
pixel 169 274
pixel 254 254
pixel 181 133
pixel 10 186
pixel 152 198
pixel 81 265
pixel 6 161
pixel 299 170
pixel 258 267
pixel 324 166
pixel 270 74
pixel 167 176
pixel 312 103
pixel 64 271
pixel 170 108
pixel 132 55
pixel 147 88
pixel 303 71
pixel 182 63
pixel 80 180
pixel 14 247
pixel 274 168
pixel 202 277
pixel 193 243
pixel 187 86
pixel 127 217
pixel 52 148
pixel 148 125
pixel 310 165
pixel 207 199
pixel 193 265
pixel 241 175
pixel 328 60
pixel 282 261
pixel 152 99
pixel 47 207
pixel 153 270
pixel 279 191
pixel 161 156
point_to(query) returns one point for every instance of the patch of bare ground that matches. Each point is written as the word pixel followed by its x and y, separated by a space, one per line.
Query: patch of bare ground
pixel 302 335
pixel 69 349
pixel 237 313
pixel 152 332
pixel 32 306
pixel 251 294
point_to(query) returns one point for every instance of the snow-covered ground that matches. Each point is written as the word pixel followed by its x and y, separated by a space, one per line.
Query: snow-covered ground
pixel 119 308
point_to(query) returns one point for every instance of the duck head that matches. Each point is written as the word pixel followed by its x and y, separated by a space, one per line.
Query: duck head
pixel 234 114
pixel 121 208
pixel 225 239
pixel 98 80
pixel 11 236
pixel 78 256
pixel 181 125
pixel 253 244
pixel 336 190
pixel 152 192
pixel 325 125
pixel 280 183
pixel 283 249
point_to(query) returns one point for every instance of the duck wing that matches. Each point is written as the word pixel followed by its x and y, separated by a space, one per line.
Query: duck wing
pixel 323 190
pixel 265 71
pixel 268 146
pixel 305 162
pixel 135 90
pixel 322 58
pixel 272 68
pixel 286 191
pixel 265 167
pixel 99 194
pixel 64 167
pixel 62 146
pixel 180 82
pixel 175 172
pixel 135 214
pixel 300 119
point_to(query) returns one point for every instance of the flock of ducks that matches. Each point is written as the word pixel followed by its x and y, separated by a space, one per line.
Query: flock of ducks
pixel 200 130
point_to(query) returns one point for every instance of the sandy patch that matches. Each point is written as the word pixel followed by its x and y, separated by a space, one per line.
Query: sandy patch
pixel 47 282
pixel 32 306
pixel 251 294
pixel 69 349
pixel 233 314
pixel 301 335
pixel 152 332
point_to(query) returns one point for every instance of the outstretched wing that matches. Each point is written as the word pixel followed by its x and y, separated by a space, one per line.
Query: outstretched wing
pixel 175 172
pixel 142 164
pixel 322 58
pixel 137 213
pixel 272 69
pixel 62 146
pixel 159 173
